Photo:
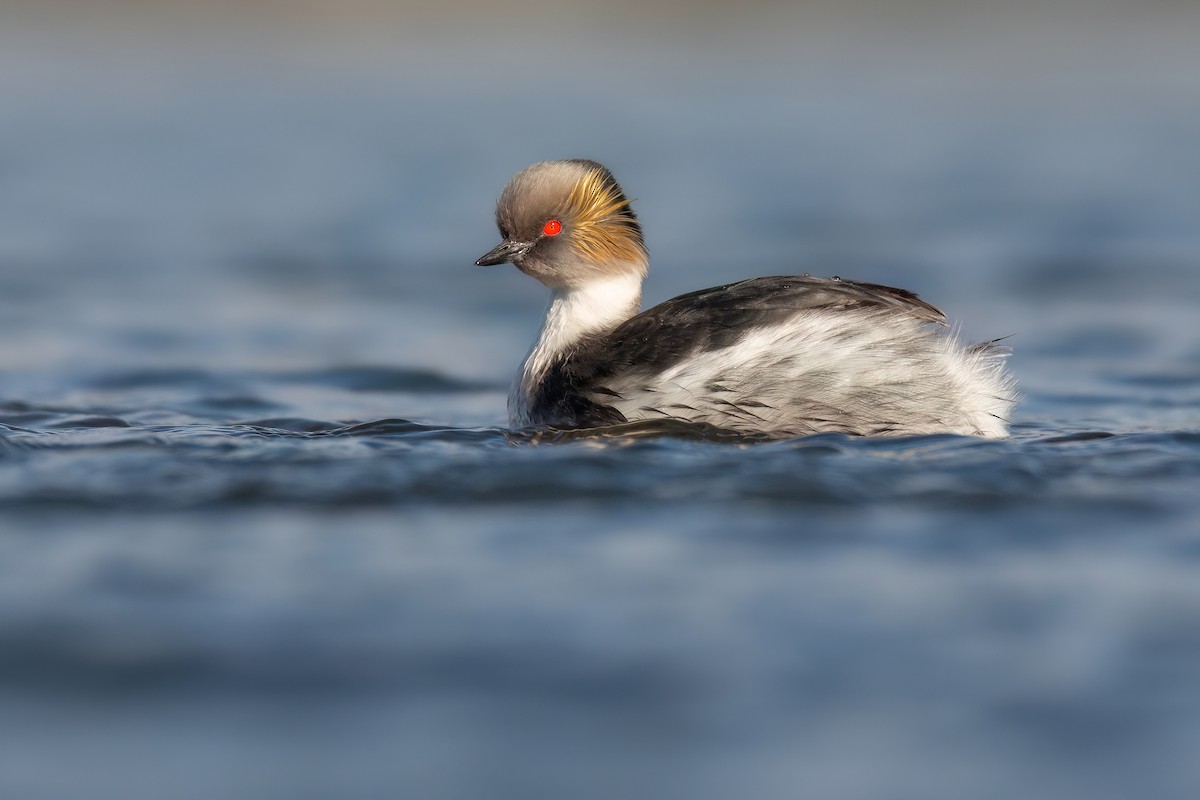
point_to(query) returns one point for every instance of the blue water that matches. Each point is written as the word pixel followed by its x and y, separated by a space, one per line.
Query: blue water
pixel 264 533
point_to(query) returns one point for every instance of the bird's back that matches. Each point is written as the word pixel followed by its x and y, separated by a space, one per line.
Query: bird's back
pixel 784 356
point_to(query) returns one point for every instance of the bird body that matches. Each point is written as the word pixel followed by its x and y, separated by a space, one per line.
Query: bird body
pixel 781 356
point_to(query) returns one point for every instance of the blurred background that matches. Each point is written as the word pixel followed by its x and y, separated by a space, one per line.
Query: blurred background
pixel 263 533
pixel 278 182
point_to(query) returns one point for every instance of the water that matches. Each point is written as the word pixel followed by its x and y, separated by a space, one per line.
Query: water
pixel 265 534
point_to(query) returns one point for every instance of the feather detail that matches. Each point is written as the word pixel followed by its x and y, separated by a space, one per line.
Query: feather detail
pixel 605 229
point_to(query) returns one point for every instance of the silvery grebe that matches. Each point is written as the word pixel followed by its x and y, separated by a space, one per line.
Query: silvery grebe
pixel 781 356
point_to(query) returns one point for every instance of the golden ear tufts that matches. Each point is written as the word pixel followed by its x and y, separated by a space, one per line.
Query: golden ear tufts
pixel 605 228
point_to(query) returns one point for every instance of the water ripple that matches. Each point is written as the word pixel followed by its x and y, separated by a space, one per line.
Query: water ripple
pixel 95 461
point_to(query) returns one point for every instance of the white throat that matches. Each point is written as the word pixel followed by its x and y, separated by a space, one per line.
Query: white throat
pixel 574 313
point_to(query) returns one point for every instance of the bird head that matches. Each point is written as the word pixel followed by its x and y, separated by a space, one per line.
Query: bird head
pixel 567 223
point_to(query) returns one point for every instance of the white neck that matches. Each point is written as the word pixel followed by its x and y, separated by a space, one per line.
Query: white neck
pixel 593 307
pixel 574 313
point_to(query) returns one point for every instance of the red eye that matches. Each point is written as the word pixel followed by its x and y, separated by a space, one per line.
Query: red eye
pixel 552 228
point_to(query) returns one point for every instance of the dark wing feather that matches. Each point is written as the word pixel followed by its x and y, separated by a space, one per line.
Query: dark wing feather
pixel 789 294
pixel 713 318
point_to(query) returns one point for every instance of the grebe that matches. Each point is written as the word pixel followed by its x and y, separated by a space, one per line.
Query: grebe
pixel 781 356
